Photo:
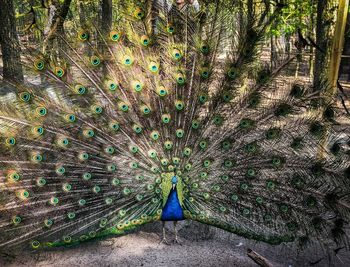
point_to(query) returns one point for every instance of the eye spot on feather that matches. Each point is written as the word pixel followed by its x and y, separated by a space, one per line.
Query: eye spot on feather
pixel 153 67
pixel 232 73
pixel 137 128
pixel 70 118
pixel 35 244
pixel 204 49
pixel 145 41
pixel 10 141
pixel 115 126
pixel 138 13
pixel 114 36
pixel 48 223
pixel 41 111
pixel 195 124
pixel 127 61
pixel 87 176
pixel 25 96
pixel 83 35
pixel 59 72
pixel 83 156
pixel 170 29
pixel 96 109
pixel 95 61
pixel 203 144
pixel 40 182
pixel 23 194
pixel 66 187
pixel 79 89
pixel 39 64
pixel 13 176
pixel 162 91
pixel 155 135
pixel 179 105
pixel 60 170
pixel 16 220
pixel 53 201
pixel 123 106
pixel 38 130
pixel 180 133
pixel 180 79
pixel 168 145
pixel 36 158
pixel 89 133
pixel 152 153
pixel 203 98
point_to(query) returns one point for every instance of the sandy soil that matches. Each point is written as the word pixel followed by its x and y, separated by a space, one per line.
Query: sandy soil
pixel 201 246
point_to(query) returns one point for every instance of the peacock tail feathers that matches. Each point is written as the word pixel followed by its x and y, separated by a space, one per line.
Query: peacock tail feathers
pixel 90 151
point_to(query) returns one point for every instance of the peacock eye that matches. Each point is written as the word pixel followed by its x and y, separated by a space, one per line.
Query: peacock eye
pixel 41 182
pixel 112 86
pixel 138 13
pixel 203 99
pixel 127 61
pixel 166 118
pixel 123 106
pixel 39 130
pixel 232 73
pixel 24 96
pixel 115 181
pixel 204 49
pixel 41 111
pixel 153 67
pixel 110 150
pixel 155 135
pixel 39 64
pixel 137 86
pixel 145 40
pixel 59 72
pixel 137 128
pixel 60 170
pixel 170 29
pixel 203 144
pixel 10 141
pixel 180 133
pixel 114 36
pixel 145 110
pixel 205 73
pixel 70 118
pixel 83 35
pixel 162 91
pixel 179 105
pixel 95 61
pixel 97 109
pixel 195 124
pixel 180 79
pixel 176 54
pixel 80 89
pixel 114 126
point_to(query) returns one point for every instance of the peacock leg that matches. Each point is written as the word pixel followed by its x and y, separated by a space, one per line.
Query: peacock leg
pixel 164 237
pixel 176 240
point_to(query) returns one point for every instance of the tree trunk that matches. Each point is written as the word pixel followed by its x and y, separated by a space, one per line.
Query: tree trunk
pixel 106 16
pixel 57 24
pixel 322 42
pixel 11 53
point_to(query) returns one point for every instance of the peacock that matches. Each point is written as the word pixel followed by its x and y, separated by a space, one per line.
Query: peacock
pixel 170 115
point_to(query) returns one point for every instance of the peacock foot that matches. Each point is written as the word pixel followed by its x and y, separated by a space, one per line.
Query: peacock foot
pixel 164 241
pixel 177 241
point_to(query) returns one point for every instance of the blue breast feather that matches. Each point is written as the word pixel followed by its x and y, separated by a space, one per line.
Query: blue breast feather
pixel 172 210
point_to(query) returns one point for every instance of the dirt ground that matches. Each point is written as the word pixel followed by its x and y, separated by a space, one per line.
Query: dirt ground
pixel 201 246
